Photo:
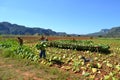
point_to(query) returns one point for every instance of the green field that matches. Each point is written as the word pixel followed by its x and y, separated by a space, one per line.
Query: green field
pixel 23 63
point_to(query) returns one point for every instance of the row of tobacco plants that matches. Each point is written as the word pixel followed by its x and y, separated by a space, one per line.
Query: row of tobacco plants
pixel 79 45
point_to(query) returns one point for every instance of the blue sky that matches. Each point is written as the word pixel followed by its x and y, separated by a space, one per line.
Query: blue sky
pixel 70 16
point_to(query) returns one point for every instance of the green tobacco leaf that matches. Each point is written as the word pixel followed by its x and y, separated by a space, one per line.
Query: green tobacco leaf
pixel 96 58
pixel 99 65
pixel 113 78
pixel 118 67
pixel 109 65
pixel 94 70
pixel 86 74
pixel 111 74
pixel 106 77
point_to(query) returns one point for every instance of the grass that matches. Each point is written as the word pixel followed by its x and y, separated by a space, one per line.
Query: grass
pixel 22 69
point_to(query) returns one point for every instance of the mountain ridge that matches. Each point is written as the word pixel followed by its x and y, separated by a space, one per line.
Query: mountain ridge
pixel 113 32
pixel 15 29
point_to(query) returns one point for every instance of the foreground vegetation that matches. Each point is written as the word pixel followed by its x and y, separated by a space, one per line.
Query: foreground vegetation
pixel 99 66
pixel 23 69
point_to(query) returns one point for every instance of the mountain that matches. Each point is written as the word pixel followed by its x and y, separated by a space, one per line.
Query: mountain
pixel 100 33
pixel 15 29
pixel 113 32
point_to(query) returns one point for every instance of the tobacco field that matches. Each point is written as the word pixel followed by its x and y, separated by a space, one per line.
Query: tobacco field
pixel 94 59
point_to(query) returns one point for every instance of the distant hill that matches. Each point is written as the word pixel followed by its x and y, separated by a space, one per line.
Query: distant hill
pixel 15 29
pixel 102 32
pixel 113 32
